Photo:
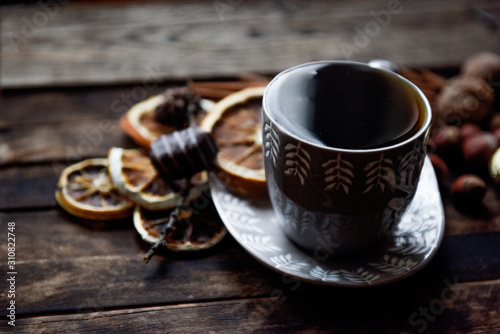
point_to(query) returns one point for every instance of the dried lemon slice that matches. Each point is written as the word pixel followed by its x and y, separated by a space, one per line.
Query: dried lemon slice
pixel 85 190
pixel 192 231
pixel 235 123
pixel 135 177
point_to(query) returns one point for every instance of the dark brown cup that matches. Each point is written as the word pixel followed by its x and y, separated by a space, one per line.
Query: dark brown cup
pixel 343 177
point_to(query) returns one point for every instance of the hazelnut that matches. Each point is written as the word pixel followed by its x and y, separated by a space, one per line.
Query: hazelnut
pixel 478 149
pixel 468 189
pixel 495 121
pixel 469 129
pixel 465 99
pixel 446 139
pixel 442 171
pixel 495 166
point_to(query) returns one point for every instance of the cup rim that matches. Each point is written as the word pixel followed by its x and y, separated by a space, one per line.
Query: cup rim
pixel 418 94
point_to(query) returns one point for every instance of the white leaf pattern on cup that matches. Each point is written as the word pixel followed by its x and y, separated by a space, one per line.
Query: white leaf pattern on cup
pixel 407 168
pixel 244 218
pixel 308 221
pixel 272 143
pixel 298 160
pixel 325 275
pixel 379 173
pixel 394 265
pixel 260 243
pixel 360 276
pixel 413 244
pixel 339 174
pixel 286 261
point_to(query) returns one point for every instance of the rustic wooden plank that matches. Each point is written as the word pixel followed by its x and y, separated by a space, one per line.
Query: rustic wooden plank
pixel 449 308
pixel 31 187
pixel 66 265
pixel 117 281
pixel 54 235
pixel 61 141
pixel 65 124
pixel 149 42
pixel 69 104
pixel 468 257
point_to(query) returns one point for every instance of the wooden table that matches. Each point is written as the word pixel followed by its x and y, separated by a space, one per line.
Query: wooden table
pixel 68 72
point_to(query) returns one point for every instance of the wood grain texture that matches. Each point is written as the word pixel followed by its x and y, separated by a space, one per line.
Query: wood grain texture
pixel 68 141
pixel 65 125
pixel 447 308
pixel 69 103
pixel 67 265
pixel 147 43
pixel 80 276
pixel 31 187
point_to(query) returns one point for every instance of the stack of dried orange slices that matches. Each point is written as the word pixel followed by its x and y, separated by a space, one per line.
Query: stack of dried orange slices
pixel 126 184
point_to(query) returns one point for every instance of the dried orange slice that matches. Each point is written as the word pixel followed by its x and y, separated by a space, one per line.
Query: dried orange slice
pixel 85 190
pixel 135 177
pixel 234 122
pixel 140 122
pixel 192 231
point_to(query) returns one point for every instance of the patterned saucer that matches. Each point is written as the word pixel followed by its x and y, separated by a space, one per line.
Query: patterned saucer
pixel 407 250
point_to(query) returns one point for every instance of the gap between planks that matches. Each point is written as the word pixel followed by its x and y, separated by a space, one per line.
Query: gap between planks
pixel 131 309
pixel 490 284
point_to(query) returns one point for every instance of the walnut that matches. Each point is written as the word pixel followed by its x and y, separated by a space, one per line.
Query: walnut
pixel 485 65
pixel 465 99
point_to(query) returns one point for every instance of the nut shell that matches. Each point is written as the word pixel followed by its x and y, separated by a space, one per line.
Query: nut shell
pixel 479 148
pixel 446 139
pixel 465 99
pixel 469 129
pixel 469 189
pixel 495 122
pixel 485 65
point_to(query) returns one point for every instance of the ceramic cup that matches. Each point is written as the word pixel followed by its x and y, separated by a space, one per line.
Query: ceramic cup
pixel 344 144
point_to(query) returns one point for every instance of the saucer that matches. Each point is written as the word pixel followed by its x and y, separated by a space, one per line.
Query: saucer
pixel 401 254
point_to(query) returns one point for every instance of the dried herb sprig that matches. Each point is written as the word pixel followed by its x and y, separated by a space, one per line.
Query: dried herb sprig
pixel 173 218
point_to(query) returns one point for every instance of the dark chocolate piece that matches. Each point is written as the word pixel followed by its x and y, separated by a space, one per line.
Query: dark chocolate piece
pixel 181 154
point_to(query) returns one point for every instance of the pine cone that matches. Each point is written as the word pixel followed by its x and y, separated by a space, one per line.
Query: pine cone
pixel 178 107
